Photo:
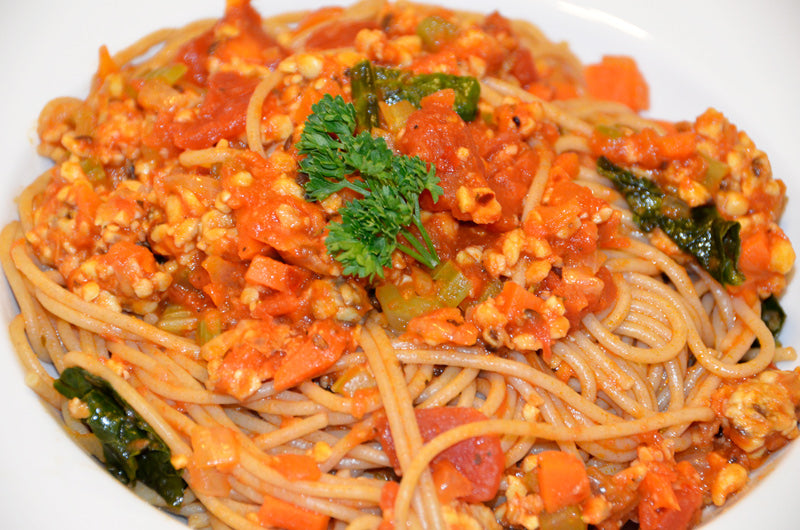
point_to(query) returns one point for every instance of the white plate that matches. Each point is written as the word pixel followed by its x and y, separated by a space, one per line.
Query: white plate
pixel 737 56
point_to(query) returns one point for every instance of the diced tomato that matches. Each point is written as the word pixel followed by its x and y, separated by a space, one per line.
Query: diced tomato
pixel 249 43
pixel 338 34
pixel 670 501
pixel 523 67
pixel 479 459
pixel 222 114
pixel 438 135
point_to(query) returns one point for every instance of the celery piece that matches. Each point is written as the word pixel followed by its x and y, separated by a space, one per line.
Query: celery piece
pixel 399 310
pixel 93 169
pixel 435 31
pixel 170 74
pixel 568 518
pixel 452 285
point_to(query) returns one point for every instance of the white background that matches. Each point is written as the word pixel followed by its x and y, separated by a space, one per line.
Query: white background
pixel 740 57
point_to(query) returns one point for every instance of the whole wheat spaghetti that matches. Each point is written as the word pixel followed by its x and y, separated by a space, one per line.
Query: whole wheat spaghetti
pixel 565 316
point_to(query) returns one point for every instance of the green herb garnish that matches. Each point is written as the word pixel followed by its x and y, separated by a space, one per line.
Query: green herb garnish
pixel 699 231
pixel 389 187
pixel 131 448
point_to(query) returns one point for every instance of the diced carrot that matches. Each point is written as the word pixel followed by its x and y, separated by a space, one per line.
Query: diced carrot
pixel 514 299
pixel 562 480
pixel 755 251
pixel 311 356
pixel 617 78
pixel 277 513
pixel 214 447
pixel 276 274
pixel 276 304
pixel 296 467
pixel 442 98
pixel 248 246
pixel 564 90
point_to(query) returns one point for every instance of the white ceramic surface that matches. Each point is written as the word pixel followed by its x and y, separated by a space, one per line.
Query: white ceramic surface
pixel 740 57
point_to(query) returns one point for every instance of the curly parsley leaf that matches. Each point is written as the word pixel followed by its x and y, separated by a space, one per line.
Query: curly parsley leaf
pixel 382 218
pixel 701 231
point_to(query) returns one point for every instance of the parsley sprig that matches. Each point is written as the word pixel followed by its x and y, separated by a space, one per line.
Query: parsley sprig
pixel 388 186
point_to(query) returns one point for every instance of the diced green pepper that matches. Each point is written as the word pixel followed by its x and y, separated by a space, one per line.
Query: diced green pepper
pixel 355 378
pixel 394 85
pixel 492 288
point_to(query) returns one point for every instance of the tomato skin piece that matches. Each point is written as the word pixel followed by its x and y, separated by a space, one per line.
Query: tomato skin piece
pixel 437 135
pixel 338 34
pixel 222 114
pixel 479 459
pixel 687 492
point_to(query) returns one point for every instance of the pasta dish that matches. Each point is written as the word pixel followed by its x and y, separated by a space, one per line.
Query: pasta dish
pixel 393 265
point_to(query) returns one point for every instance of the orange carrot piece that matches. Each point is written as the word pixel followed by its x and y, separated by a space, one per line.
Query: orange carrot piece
pixel 296 467
pixel 617 78
pixel 276 274
pixel 277 513
pixel 215 447
pixel 562 480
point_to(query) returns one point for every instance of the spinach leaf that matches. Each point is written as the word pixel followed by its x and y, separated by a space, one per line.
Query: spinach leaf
pixel 700 231
pixel 772 314
pixel 371 84
pixel 131 448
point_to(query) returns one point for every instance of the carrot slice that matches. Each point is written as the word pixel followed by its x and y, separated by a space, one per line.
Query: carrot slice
pixel 617 78
pixel 280 514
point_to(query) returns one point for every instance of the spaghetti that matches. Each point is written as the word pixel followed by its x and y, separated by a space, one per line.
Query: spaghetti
pixel 594 343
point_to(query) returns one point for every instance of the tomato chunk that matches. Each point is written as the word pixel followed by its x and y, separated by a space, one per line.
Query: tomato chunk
pixel 479 459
